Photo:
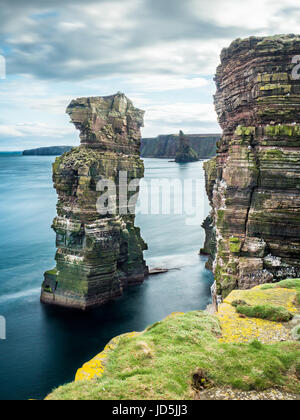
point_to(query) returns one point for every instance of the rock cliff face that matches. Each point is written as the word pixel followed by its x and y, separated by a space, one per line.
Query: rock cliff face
pixel 97 254
pixel 254 182
pixel 166 146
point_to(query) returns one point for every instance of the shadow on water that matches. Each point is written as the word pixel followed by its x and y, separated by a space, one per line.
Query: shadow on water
pixel 46 345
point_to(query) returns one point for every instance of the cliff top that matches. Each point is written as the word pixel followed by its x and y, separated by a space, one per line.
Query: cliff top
pixel 185 357
pixel 273 43
pixel 258 82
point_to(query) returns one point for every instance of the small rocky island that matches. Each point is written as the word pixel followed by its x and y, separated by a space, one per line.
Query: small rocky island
pixel 185 152
pixel 254 182
pixel 97 255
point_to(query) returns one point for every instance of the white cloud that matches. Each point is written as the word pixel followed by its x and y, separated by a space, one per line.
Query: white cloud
pixel 169 118
pixel 35 129
pixel 164 83
pixel 159 52
pixel 113 14
pixel 10 131
pixel 264 16
pixel 41 129
pixel 181 112
pixel 71 26
pixel 25 38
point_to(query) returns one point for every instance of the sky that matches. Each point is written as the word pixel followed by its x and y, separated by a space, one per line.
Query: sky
pixel 161 53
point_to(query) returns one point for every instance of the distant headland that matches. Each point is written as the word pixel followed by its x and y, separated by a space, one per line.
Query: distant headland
pixel 166 146
pixel 163 146
pixel 48 151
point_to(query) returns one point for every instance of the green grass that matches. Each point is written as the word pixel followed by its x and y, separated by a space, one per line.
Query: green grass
pixel 269 312
pixel 239 302
pixel 160 363
pixel 296 333
pixel 285 284
pixel 52 272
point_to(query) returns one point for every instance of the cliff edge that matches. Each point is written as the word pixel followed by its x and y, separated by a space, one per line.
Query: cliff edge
pixel 200 356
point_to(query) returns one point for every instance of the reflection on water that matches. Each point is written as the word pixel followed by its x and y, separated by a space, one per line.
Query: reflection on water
pixel 45 345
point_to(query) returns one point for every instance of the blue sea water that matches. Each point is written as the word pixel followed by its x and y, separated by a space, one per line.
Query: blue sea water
pixel 46 345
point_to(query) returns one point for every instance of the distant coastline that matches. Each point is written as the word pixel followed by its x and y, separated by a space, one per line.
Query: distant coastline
pixel 163 146
pixel 48 151
pixel 11 153
pixel 166 146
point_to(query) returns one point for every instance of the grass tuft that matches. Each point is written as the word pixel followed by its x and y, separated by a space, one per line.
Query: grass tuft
pixel 269 312
pixel 285 284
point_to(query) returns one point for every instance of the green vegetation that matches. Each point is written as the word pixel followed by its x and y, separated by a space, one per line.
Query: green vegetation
pixel 269 312
pixel 279 88
pixel 296 333
pixel 272 77
pixel 282 130
pixel 52 272
pixel 235 245
pixel 239 302
pixel 273 154
pixel 244 131
pixel 285 284
pixel 161 363
pixel 222 222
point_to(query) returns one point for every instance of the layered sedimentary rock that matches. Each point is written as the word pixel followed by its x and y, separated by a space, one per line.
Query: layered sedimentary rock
pixel 98 252
pixel 254 182
pixel 166 146
pixel 185 152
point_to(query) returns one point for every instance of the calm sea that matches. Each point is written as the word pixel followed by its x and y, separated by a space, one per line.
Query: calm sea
pixel 46 345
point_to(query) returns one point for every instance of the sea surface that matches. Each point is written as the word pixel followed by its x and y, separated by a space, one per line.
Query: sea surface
pixel 46 345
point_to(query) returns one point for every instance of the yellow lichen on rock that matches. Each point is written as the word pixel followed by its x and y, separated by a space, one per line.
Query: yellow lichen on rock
pixel 174 314
pixel 237 328
pixel 259 296
pixel 95 367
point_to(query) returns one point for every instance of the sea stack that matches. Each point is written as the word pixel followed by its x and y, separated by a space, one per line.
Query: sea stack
pixel 185 152
pixel 98 254
pixel 254 182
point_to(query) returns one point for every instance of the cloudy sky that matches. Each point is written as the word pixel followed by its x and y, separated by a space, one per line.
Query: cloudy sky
pixel 161 53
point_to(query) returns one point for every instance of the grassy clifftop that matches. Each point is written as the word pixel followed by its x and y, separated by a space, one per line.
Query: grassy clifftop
pixel 186 355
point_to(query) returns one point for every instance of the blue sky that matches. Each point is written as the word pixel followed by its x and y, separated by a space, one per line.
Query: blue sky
pixel 161 53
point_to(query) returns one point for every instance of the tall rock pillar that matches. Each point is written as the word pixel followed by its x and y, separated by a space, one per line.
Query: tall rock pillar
pixel 254 182
pixel 98 254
